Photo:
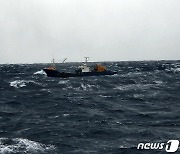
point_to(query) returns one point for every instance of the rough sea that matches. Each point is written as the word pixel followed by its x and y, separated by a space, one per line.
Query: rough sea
pixel 89 115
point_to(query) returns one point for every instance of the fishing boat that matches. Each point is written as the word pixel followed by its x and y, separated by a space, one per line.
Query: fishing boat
pixel 81 71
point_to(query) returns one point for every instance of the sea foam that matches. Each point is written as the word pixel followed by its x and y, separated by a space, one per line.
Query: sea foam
pixel 20 145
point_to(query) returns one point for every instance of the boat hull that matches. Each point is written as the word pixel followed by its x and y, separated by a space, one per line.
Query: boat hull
pixel 55 73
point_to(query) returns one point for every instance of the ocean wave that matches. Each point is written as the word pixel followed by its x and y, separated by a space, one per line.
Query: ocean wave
pixel 63 81
pixel 105 96
pixel 134 87
pixel 40 72
pixel 173 70
pixel 158 82
pixel 18 83
pixel 87 87
pixel 176 69
pixel 20 145
pixel 22 83
pixel 79 86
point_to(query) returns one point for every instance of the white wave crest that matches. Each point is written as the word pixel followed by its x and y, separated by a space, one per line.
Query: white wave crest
pixel 177 70
pixel 63 81
pixel 87 87
pixel 133 87
pixel 40 72
pixel 20 83
pixel 20 145
pixel 174 70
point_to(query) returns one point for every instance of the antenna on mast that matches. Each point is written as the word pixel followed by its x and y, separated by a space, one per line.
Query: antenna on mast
pixel 64 60
pixel 86 59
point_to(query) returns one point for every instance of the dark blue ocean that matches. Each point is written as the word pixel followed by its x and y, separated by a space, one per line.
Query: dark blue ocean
pixel 103 115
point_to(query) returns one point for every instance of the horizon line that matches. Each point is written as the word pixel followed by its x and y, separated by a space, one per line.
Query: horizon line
pixel 88 61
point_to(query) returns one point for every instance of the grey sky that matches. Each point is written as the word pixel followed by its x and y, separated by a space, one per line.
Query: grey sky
pixel 37 30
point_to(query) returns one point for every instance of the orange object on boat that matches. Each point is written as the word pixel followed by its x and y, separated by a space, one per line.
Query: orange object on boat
pixel 51 68
pixel 100 68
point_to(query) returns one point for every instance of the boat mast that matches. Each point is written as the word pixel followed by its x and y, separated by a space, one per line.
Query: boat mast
pixel 53 63
pixel 86 59
pixel 64 60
